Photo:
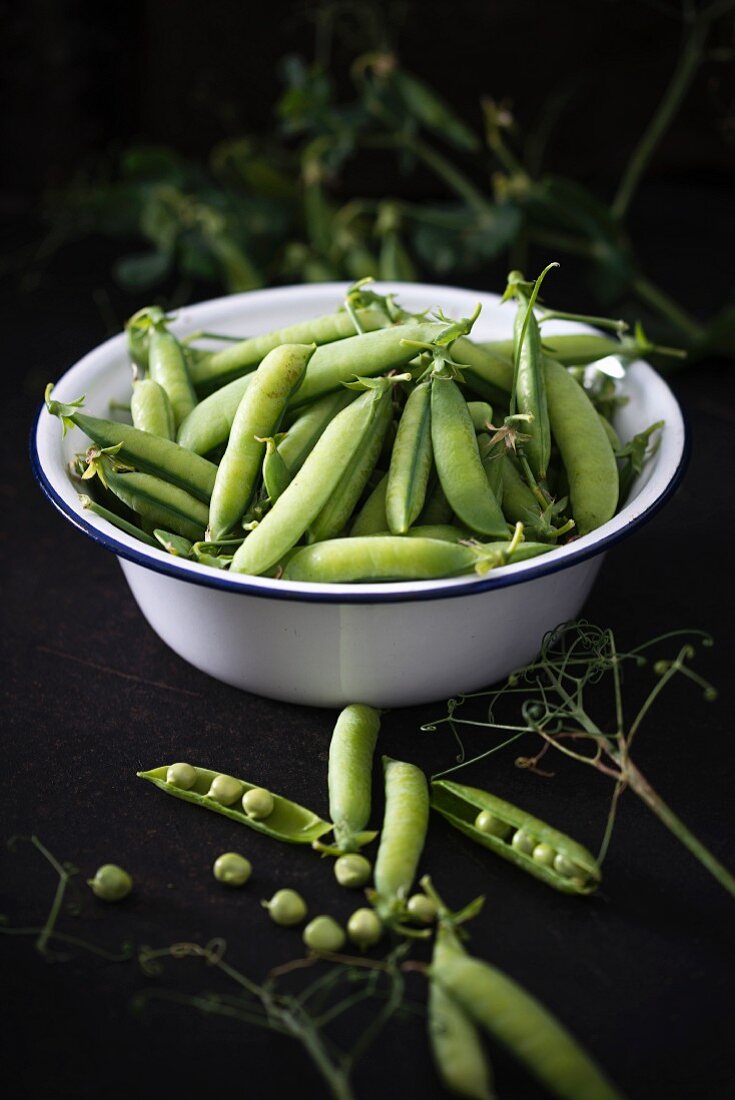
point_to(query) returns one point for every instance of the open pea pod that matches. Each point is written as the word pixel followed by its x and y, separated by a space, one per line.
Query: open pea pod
pixel 517 836
pixel 287 821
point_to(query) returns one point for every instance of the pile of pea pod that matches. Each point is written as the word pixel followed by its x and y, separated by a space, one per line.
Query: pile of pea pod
pixel 370 444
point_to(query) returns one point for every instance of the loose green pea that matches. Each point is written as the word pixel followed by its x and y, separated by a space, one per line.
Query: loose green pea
pixel 422 908
pixel 364 928
pixel 182 776
pixel 225 789
pixel 258 803
pixel 324 934
pixel 110 883
pixel 487 822
pixel 523 842
pixel 232 869
pixel 286 907
pixel 544 854
pixel 352 870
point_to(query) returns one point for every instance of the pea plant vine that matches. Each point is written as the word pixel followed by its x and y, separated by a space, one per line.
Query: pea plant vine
pixel 281 208
pixel 551 699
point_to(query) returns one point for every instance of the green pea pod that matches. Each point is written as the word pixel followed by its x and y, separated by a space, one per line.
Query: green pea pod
pixel 276 474
pixel 410 464
pixel 454 1037
pixel 337 510
pixel 529 391
pixel 402 837
pixel 388 557
pixel 167 366
pixel 258 415
pixel 486 372
pixel 288 821
pixel 371 518
pixel 222 366
pixel 350 769
pixel 157 501
pixel 586 451
pixel 559 862
pixel 300 504
pixel 208 425
pixel 523 1025
pixel 573 349
pixel 302 435
pixel 458 462
pixel 151 409
pixel 367 355
pixel 150 453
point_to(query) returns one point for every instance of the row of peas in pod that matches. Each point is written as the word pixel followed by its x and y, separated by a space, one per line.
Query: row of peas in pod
pixel 467 996
pixel 370 444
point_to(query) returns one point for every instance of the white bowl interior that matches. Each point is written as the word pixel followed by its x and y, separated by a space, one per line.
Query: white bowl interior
pixel 103 376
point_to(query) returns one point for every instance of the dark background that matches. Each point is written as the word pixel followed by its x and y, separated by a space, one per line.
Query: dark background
pixel 641 973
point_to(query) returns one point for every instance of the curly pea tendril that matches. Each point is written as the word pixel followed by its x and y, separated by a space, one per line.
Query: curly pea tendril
pixel 555 698
pixel 344 984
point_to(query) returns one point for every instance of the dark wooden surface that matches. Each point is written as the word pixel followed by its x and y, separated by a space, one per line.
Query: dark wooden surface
pixel 642 973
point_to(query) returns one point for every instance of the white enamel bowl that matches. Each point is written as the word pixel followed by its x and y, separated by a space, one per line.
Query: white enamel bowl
pixel 392 644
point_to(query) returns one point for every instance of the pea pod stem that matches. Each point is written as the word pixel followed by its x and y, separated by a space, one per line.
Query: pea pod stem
pixel 117 521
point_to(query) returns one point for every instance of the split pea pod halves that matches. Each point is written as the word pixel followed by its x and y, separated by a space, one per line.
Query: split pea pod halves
pixel 224 794
pixel 517 836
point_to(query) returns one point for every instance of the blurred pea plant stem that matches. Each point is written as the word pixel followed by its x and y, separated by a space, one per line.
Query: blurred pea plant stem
pixel 278 209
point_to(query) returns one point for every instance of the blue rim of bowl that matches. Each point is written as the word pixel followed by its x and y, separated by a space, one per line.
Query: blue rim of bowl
pixel 533 570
